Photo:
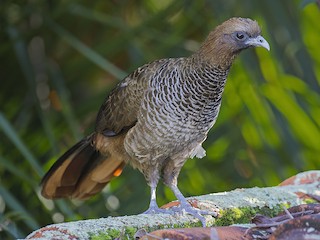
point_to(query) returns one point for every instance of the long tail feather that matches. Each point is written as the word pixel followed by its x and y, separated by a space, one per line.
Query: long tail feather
pixel 80 173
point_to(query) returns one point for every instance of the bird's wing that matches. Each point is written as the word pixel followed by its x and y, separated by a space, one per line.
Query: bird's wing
pixel 119 111
pixel 83 171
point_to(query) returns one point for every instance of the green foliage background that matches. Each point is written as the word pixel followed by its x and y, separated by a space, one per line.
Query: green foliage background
pixel 59 59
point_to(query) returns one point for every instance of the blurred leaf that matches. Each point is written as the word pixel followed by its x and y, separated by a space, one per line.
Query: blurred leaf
pixel 301 124
pixel 16 206
pixel 18 143
pixel 9 227
pixel 6 164
pixel 304 3
pixel 90 54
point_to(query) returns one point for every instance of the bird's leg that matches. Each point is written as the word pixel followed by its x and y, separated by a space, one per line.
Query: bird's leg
pixel 153 207
pixel 171 173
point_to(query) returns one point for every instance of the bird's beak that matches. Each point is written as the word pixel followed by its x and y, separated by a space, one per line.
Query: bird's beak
pixel 258 42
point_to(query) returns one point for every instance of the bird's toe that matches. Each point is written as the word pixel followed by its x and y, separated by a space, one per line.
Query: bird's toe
pixel 157 210
pixel 197 213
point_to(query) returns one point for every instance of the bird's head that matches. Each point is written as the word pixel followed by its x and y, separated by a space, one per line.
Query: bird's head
pixel 227 40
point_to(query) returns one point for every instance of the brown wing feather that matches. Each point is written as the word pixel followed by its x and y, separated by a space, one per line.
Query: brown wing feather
pixel 119 111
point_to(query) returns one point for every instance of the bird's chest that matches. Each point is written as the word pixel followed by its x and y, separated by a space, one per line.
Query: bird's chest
pixel 186 105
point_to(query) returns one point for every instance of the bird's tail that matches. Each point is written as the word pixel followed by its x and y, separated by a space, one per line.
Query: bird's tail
pixel 81 172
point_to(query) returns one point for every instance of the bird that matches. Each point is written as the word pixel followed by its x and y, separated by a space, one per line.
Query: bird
pixel 155 119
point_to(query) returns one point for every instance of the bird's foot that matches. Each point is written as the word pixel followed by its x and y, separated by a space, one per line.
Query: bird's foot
pixel 186 208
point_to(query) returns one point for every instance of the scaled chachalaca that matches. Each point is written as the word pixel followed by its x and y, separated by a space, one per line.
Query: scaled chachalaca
pixel 155 119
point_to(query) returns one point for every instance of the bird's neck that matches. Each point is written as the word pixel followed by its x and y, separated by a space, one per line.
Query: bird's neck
pixel 215 57
pixel 216 52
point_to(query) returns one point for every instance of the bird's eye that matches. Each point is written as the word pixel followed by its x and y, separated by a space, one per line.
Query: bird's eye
pixel 240 36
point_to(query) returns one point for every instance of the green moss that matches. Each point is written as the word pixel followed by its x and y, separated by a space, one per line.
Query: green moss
pixel 126 233
pixel 235 215
pixel 244 215
pixel 187 225
pixel 108 235
pixel 271 212
pixel 130 231
pixel 309 200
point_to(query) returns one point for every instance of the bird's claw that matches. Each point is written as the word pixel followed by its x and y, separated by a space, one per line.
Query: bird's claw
pixel 197 213
pixel 157 210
